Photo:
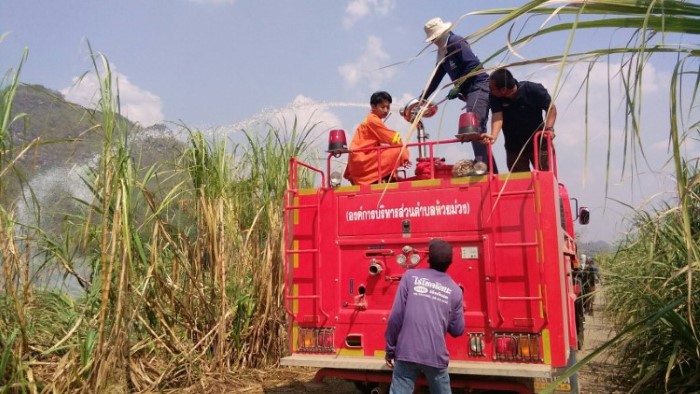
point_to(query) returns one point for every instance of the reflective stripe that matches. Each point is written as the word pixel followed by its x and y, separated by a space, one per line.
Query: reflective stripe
pixel 396 139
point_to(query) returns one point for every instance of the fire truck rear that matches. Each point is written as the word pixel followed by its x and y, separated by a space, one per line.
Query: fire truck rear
pixel 514 256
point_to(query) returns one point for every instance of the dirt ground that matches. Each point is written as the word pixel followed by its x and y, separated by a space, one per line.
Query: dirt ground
pixel 594 378
pixel 597 377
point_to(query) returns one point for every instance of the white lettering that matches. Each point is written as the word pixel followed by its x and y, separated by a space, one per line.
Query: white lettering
pixel 382 213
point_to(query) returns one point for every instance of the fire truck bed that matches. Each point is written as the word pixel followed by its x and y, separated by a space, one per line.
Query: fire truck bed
pixel 456 367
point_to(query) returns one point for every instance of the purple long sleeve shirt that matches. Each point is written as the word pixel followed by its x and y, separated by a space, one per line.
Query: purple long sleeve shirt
pixel 428 305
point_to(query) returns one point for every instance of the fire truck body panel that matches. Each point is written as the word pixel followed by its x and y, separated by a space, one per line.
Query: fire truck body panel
pixel 347 248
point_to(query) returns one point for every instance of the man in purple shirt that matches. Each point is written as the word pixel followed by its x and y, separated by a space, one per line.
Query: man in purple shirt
pixel 428 304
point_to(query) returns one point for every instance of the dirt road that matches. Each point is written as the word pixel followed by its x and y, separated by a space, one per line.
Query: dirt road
pixel 597 377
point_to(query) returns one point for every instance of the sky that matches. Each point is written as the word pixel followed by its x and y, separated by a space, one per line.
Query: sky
pixel 225 65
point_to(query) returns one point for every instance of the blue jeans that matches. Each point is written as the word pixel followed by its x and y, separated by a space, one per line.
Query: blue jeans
pixel 403 380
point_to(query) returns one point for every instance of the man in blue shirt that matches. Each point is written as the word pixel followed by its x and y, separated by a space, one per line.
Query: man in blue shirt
pixel 428 305
pixel 456 59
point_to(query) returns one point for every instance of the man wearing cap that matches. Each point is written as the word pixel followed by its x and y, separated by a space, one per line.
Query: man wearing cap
pixel 456 59
pixel 428 304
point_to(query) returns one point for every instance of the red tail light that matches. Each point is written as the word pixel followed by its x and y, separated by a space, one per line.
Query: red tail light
pixel 505 347
pixel 316 340
pixel 517 347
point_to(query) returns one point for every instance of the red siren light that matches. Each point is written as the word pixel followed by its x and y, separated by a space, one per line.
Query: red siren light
pixel 337 143
pixel 468 127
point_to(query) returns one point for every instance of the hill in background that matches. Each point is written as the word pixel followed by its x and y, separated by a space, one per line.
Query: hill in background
pixel 67 141
pixel 595 248
pixel 67 134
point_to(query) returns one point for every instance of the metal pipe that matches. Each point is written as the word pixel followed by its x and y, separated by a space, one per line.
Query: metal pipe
pixel 422 137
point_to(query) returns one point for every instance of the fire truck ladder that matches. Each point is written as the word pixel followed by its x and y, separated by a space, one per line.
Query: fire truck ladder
pixel 537 243
pixel 290 209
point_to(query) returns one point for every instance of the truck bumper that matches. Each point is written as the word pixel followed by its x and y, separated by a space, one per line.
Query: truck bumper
pixel 456 367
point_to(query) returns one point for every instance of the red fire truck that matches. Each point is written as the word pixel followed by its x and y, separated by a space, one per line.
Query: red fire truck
pixel 346 248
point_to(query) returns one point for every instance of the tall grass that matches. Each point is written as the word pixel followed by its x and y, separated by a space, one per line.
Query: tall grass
pixel 184 267
pixel 649 273
pixel 651 283
pixel 14 336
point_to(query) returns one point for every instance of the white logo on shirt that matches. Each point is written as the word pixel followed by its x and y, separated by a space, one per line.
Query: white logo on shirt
pixel 434 290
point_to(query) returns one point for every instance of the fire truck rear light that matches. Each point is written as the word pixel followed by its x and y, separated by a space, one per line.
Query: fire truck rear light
pixel 325 339
pixel 517 347
pixel 476 344
pixel 316 340
pixel 308 339
pixel 505 347
pixel 529 347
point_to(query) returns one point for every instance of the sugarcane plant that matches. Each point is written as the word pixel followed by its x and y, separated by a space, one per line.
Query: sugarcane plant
pixel 652 290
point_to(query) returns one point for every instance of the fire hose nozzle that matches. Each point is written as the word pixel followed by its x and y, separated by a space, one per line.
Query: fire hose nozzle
pixel 375 268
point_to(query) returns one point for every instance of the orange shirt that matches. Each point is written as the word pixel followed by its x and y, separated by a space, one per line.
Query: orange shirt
pixel 367 167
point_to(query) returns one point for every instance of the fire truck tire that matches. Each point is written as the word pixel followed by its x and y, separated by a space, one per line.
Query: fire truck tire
pixel 379 390
pixel 371 388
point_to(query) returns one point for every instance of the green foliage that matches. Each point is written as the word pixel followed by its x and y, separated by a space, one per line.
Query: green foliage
pixel 87 348
pixel 651 283
pixel 185 255
pixel 663 353
pixel 11 366
pixel 180 260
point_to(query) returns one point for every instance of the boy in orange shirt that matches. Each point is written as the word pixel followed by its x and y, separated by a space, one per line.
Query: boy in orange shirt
pixel 369 166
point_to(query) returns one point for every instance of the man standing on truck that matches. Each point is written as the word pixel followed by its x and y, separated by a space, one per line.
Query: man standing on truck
pixel 456 59
pixel 517 107
pixel 428 304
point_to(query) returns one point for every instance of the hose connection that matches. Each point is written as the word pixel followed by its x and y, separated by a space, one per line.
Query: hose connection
pixel 376 267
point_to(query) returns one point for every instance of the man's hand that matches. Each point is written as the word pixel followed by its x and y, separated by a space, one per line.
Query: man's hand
pixel 390 362
pixel 487 139
pixel 550 129
pixel 453 93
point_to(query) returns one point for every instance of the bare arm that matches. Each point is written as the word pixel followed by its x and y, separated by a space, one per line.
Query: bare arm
pixel 496 125
pixel 551 117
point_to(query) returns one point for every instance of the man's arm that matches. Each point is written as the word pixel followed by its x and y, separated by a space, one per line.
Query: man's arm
pixel 395 321
pixel 496 125
pixel 456 324
pixel 435 81
pixel 551 118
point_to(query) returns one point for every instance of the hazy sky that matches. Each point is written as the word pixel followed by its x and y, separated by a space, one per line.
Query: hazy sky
pixel 223 64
